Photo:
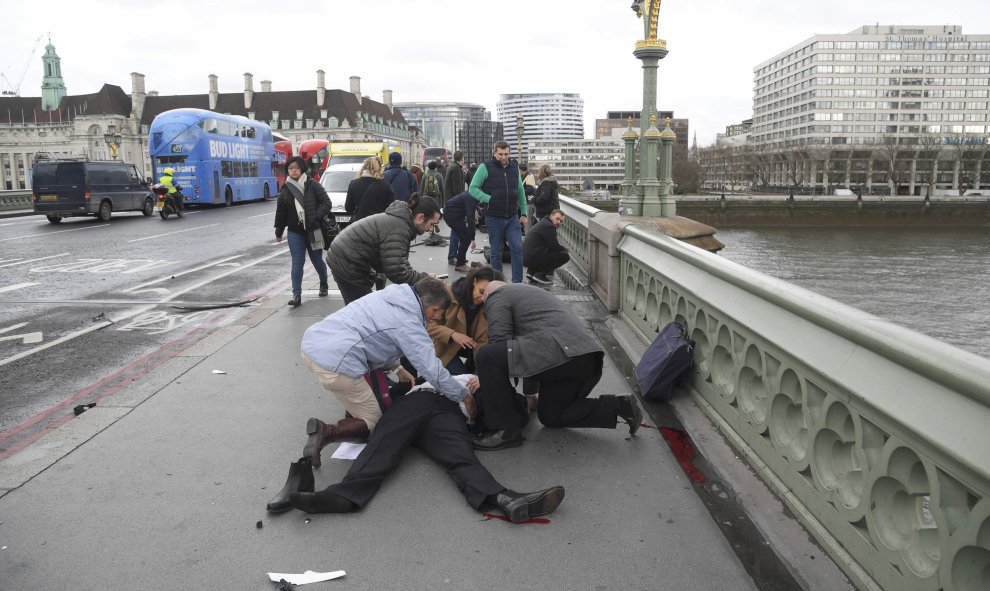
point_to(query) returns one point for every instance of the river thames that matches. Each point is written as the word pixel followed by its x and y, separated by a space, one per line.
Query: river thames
pixel 934 280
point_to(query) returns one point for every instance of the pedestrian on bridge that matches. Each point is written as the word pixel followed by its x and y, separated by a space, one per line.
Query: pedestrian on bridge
pixel 371 333
pixel 436 425
pixel 498 185
pixel 301 203
pixel 542 251
pixel 380 244
pixel 532 334
pixel 368 194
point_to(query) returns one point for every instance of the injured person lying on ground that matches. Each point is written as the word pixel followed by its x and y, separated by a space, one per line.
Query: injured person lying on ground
pixel 436 425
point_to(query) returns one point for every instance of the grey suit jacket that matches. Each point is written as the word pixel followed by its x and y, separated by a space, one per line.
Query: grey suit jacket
pixel 541 331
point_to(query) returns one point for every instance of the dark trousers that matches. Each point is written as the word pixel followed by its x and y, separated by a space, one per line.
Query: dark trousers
pixel 500 406
pixel 460 237
pixel 436 426
pixel 547 262
pixel 351 291
pixel 564 393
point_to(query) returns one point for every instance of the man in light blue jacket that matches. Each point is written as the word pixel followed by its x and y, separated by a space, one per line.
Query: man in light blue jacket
pixel 375 332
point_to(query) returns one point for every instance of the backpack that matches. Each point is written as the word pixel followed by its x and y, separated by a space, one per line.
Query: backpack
pixel 665 363
pixel 431 186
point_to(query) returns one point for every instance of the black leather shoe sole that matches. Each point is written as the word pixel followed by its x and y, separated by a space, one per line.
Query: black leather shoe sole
pixel 493 442
pixel 544 504
pixel 279 506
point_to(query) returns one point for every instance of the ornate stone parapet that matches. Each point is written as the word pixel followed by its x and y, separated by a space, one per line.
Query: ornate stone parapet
pixel 873 435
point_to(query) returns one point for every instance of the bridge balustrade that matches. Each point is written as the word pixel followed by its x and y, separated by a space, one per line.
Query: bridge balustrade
pixel 875 436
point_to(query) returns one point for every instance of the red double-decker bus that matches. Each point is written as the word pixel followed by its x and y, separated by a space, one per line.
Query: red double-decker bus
pixel 316 153
pixel 283 151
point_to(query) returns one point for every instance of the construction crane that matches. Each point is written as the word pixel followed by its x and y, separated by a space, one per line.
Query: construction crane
pixel 15 89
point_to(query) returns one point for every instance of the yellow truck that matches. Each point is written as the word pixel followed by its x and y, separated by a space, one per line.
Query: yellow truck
pixel 357 152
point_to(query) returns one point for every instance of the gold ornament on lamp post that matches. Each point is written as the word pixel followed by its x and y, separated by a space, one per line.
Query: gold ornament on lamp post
pixel 112 138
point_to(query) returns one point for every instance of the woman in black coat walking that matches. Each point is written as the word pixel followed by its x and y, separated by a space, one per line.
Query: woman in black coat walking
pixel 368 194
pixel 301 203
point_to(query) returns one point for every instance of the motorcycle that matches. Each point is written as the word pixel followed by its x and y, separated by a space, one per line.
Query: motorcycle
pixel 166 204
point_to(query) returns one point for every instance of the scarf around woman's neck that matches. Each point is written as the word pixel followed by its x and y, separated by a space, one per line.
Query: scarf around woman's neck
pixel 300 183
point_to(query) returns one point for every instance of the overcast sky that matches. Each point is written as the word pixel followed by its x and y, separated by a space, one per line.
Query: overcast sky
pixel 441 50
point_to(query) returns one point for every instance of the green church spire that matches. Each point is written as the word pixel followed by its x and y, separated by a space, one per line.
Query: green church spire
pixel 52 85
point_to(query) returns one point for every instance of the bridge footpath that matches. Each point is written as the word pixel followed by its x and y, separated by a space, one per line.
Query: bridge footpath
pixel 163 486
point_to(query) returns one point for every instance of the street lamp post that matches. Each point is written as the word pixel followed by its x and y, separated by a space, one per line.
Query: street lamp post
pixel 520 128
pixel 650 50
pixel 112 138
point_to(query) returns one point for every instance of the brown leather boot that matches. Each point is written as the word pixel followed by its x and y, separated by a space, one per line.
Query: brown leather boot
pixel 320 434
pixel 353 430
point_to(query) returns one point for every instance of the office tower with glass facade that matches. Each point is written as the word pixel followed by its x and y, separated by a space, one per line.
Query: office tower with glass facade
pixel 467 127
pixel 547 116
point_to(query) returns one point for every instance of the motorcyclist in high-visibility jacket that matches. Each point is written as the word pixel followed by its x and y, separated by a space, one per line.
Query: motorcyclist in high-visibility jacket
pixel 174 191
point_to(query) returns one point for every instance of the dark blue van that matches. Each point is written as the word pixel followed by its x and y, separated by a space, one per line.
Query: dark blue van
pixel 66 188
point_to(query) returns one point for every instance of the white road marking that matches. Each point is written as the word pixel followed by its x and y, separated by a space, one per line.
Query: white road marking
pixel 15 286
pixel 53 232
pixel 160 290
pixel 29 338
pixel 173 233
pixel 25 220
pixel 20 262
pixel 260 215
pixel 133 313
pixel 167 277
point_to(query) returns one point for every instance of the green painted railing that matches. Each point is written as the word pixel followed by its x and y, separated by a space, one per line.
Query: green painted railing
pixel 875 436
pixel 21 199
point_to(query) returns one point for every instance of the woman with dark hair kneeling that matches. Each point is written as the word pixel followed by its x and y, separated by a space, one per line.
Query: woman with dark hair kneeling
pixel 464 328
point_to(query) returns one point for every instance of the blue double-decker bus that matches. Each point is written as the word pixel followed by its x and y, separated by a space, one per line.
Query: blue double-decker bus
pixel 215 158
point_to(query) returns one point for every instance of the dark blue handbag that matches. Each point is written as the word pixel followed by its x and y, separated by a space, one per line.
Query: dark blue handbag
pixel 665 363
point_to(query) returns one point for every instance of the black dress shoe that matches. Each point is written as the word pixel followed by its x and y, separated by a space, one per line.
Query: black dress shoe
pixel 494 440
pixel 627 409
pixel 519 507
pixel 300 480
pixel 324 501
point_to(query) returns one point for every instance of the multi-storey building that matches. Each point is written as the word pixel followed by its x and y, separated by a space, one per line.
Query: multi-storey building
pixel 545 116
pixel 57 124
pixel 467 127
pixel 883 108
pixel 616 123
pixel 581 164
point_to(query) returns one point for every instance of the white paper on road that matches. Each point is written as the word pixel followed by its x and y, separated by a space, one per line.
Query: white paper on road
pixel 306 577
pixel 219 371
pixel 347 451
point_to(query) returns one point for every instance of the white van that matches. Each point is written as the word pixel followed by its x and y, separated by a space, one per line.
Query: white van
pixel 977 193
pixel 335 180
pixel 844 193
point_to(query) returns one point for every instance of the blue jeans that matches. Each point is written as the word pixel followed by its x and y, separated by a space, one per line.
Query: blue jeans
pixel 454 242
pixel 509 230
pixel 298 247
